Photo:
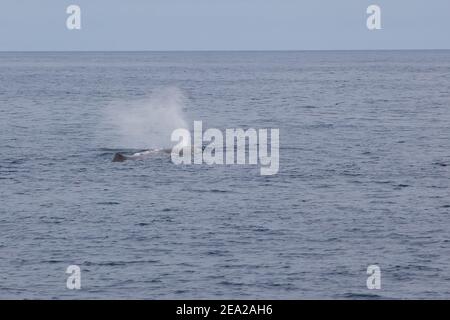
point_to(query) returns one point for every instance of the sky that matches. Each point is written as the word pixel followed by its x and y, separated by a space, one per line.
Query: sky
pixel 118 25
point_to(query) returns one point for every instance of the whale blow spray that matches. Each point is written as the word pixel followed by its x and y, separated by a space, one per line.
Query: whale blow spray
pixel 147 123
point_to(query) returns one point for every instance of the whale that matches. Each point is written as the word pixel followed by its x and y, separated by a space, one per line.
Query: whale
pixel 121 157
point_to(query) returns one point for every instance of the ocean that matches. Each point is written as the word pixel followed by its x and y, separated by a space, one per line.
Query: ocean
pixel 363 175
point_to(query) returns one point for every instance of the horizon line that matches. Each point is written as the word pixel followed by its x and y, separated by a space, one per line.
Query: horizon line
pixel 225 50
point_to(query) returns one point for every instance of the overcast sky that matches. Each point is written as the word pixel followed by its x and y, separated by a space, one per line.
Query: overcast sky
pixel 223 25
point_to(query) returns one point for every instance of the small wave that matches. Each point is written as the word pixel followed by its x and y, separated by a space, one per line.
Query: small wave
pixel 108 203
pixel 440 164
pixel 211 191
pixel 118 263
pixel 142 224
pixel 362 296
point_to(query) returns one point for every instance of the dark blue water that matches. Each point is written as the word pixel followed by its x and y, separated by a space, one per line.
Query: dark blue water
pixel 364 177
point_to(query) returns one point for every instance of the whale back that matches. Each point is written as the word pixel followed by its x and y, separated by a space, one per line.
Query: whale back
pixel 118 157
